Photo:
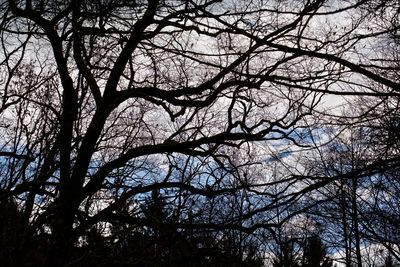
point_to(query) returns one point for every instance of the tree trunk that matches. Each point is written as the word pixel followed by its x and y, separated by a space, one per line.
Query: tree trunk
pixel 356 223
pixel 62 238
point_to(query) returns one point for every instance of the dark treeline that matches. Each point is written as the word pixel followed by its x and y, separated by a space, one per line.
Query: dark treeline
pixel 160 244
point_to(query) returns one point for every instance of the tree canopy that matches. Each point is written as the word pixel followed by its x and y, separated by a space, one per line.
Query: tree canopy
pixel 209 132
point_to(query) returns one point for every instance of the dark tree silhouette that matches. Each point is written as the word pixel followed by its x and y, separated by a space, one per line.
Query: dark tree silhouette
pixel 314 254
pixel 226 108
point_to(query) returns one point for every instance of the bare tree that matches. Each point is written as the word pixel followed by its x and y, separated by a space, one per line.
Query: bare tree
pixel 104 102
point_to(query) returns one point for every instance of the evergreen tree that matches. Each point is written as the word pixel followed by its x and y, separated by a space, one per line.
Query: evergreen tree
pixel 315 253
pixel 389 261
